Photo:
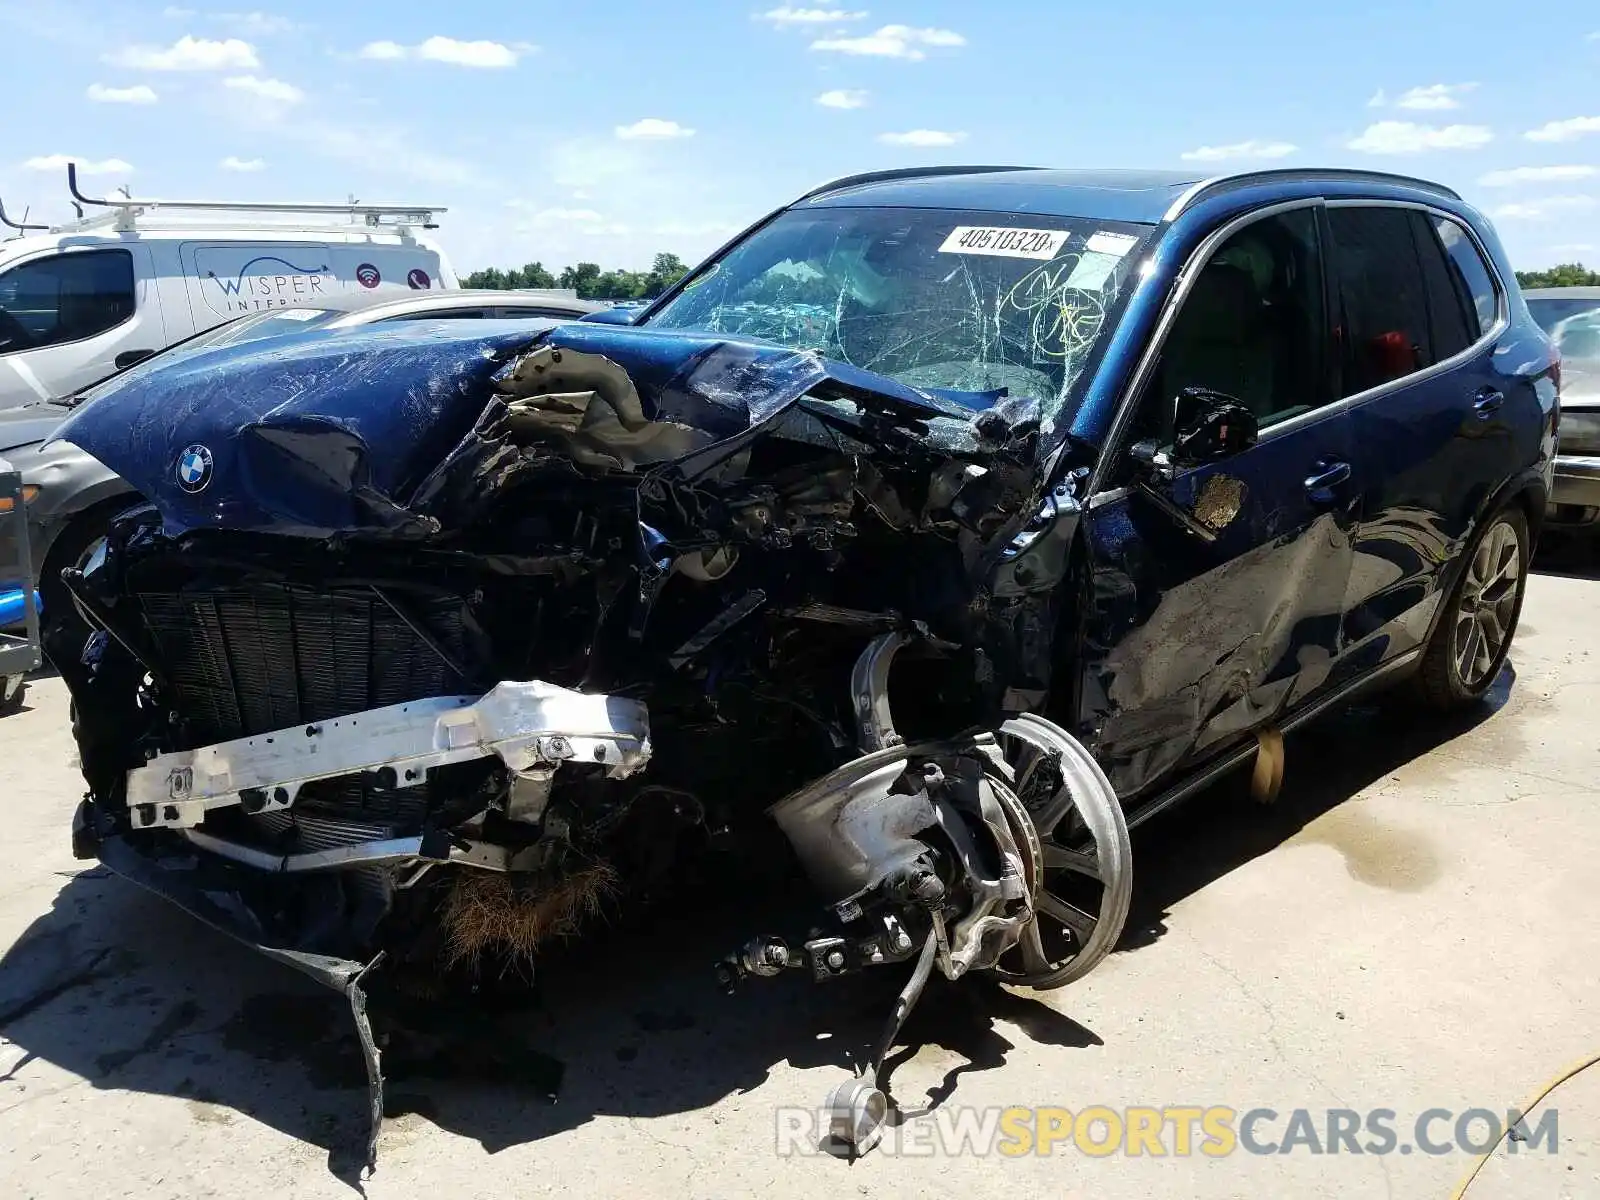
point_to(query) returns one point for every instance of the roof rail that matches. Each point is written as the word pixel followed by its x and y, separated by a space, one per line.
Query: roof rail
pixel 20 226
pixel 1346 174
pixel 127 208
pixel 894 173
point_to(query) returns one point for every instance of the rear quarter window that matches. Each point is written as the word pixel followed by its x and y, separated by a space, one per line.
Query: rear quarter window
pixel 1470 275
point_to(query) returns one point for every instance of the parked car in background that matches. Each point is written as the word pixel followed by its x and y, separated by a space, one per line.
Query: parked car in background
pixel 1571 316
pixel 80 300
pixel 70 495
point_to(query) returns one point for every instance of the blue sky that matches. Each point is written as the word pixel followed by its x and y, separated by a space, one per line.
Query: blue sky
pixel 609 131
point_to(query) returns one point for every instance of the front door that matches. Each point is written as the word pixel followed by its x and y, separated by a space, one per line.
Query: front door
pixel 68 318
pixel 1215 604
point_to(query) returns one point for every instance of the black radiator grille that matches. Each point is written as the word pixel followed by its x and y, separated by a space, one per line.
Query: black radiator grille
pixel 250 660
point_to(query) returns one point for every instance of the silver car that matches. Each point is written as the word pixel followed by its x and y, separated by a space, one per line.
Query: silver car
pixel 70 496
pixel 1571 316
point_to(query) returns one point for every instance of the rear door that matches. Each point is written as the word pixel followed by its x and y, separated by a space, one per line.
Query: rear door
pixel 1192 641
pixel 67 316
pixel 1430 410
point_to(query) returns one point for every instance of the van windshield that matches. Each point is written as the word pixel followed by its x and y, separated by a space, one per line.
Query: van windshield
pixel 934 298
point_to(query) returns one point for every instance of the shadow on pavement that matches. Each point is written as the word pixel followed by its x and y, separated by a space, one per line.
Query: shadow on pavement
pixel 117 987
pixel 1573 555
pixel 1326 763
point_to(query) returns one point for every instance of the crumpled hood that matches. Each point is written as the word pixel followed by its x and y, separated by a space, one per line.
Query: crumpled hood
pixel 337 431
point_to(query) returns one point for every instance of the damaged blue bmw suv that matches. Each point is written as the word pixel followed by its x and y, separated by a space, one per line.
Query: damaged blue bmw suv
pixel 951 521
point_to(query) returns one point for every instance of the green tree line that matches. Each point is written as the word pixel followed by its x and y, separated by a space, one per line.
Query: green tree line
pixel 1566 275
pixel 587 279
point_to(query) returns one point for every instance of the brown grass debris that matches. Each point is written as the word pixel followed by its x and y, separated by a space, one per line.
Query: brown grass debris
pixel 492 912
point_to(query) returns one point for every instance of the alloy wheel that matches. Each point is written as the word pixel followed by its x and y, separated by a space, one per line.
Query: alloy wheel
pixel 1487 605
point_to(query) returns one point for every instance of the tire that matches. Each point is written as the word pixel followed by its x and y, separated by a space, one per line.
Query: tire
pixel 1461 662
pixel 71 549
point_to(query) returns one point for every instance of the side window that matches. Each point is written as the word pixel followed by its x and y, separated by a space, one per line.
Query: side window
pixel 1453 321
pixel 1384 333
pixel 1473 280
pixel 441 314
pixel 1253 326
pixel 556 314
pixel 65 298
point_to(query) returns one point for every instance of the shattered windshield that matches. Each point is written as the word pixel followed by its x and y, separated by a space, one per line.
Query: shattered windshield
pixel 964 301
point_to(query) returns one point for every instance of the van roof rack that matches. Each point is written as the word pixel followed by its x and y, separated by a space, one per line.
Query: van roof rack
pixel 21 226
pixel 124 211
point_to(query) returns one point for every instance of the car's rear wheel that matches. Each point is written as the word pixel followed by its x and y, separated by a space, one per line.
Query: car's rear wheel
pixel 1473 636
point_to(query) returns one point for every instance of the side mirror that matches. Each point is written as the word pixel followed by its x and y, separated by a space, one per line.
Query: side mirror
pixel 1208 426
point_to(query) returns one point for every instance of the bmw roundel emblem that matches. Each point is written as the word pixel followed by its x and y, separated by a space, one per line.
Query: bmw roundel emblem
pixel 194 469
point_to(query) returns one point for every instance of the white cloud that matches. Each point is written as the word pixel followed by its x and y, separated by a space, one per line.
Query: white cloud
pixel 467 54
pixel 480 54
pixel 843 98
pixel 892 41
pixel 1543 210
pixel 86 166
pixel 1379 99
pixel 1536 175
pixel 1564 131
pixel 808 16
pixel 652 129
pixel 275 90
pixel 1404 137
pixel 259 24
pixel 241 164
pixel 695 229
pixel 584 221
pixel 1254 148
pixel 1573 248
pixel 1434 97
pixel 138 94
pixel 922 137
pixel 189 54
pixel 382 50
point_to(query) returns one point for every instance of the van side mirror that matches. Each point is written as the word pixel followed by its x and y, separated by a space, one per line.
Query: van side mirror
pixel 1208 426
pixel 131 358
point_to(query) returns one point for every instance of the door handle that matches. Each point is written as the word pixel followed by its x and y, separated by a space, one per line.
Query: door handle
pixel 1487 402
pixel 1320 487
pixel 129 357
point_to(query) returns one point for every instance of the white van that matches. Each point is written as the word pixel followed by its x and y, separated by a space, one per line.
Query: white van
pixel 79 301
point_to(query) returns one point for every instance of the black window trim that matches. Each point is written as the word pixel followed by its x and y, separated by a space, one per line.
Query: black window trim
pixel 1097 491
pixel 78 252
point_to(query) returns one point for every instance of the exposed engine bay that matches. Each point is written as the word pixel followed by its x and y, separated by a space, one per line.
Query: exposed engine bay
pixel 430 647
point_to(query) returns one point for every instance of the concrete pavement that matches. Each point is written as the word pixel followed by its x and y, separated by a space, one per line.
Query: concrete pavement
pixel 1411 927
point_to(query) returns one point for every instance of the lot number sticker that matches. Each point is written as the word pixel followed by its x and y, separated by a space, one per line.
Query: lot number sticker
pixel 1004 242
